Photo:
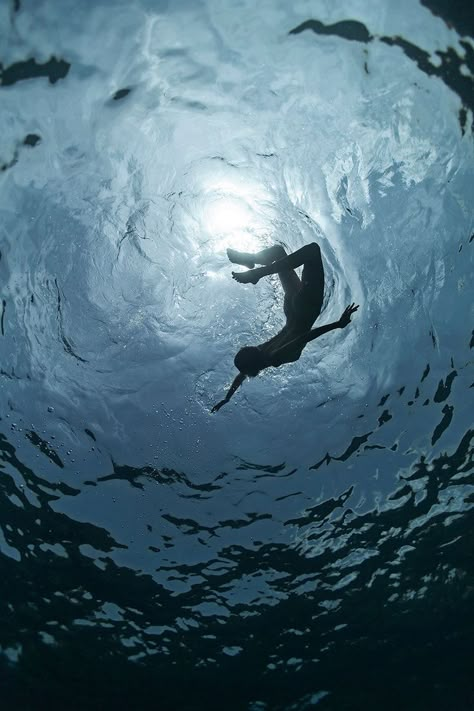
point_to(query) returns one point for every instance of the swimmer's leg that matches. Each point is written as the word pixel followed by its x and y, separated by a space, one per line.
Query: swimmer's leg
pixel 250 259
pixel 269 256
pixel 312 277
pixel 309 255
pixel 309 301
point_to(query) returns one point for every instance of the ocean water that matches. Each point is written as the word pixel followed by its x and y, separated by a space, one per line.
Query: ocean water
pixel 311 544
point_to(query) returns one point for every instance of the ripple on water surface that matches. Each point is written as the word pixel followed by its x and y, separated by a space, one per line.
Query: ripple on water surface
pixel 301 534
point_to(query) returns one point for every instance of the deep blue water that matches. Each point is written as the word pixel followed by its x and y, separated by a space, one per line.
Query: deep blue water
pixel 311 544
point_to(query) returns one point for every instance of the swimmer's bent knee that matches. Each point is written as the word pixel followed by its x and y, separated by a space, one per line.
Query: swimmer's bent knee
pixel 313 250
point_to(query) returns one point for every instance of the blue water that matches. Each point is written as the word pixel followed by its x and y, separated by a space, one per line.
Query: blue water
pixel 310 545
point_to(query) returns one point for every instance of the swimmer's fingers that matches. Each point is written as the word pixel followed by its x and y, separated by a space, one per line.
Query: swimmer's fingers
pixel 217 407
pixel 346 316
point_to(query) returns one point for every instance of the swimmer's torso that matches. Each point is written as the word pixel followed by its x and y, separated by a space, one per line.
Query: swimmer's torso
pixel 301 311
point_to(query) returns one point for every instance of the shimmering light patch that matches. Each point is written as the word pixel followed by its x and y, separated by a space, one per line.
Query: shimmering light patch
pixel 226 214
pixel 216 275
pixel 234 214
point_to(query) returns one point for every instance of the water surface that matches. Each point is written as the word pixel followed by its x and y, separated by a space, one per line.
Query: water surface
pixel 311 544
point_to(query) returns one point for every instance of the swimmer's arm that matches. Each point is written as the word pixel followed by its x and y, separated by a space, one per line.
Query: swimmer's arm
pixel 283 355
pixel 316 332
pixel 340 323
pixel 235 385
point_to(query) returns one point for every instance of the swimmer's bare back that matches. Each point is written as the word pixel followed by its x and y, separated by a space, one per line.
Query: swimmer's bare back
pixel 302 306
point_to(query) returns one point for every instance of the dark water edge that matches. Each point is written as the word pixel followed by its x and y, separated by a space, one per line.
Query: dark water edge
pixel 456 13
pixel 407 639
pixel 448 70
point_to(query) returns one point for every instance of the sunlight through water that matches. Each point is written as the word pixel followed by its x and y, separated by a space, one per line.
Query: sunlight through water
pixel 272 554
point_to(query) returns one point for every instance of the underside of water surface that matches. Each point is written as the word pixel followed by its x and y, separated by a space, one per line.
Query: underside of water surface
pixel 310 544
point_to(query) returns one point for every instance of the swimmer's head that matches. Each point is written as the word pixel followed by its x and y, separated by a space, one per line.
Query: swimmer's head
pixel 250 361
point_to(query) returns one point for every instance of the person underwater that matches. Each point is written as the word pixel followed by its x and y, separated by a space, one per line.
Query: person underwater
pixel 302 306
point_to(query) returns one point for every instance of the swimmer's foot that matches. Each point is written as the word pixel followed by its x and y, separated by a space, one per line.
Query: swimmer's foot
pixel 250 277
pixel 245 259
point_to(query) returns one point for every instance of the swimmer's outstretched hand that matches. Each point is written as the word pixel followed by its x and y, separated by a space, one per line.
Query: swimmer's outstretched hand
pixel 219 405
pixel 346 316
pixel 250 277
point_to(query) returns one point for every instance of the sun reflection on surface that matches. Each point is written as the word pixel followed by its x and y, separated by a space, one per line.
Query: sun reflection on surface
pixel 236 215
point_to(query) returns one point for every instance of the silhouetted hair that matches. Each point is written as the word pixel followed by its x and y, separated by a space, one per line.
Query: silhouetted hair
pixel 249 361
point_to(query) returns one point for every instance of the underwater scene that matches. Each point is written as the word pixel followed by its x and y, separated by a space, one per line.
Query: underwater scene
pixel 268 206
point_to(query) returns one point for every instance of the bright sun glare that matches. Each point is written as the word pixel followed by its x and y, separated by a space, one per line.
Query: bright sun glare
pixel 233 219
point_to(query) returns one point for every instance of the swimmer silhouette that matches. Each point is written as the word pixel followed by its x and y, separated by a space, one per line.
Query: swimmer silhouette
pixel 302 306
